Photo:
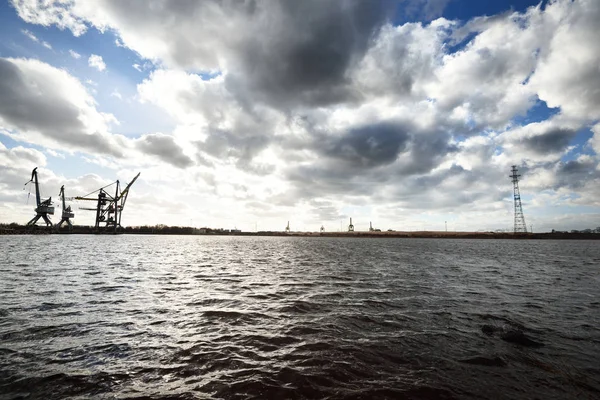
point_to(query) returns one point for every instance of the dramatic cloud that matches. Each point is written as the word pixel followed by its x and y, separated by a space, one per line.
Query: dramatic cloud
pixel 567 75
pixel 48 106
pixel 539 141
pixel 368 146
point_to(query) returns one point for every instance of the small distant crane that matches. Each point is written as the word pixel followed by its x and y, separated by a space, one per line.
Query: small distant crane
pixel 109 208
pixel 43 208
pixel 350 227
pixel 371 229
pixel 67 213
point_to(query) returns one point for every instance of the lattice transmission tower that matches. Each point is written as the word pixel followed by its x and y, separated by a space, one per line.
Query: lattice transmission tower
pixel 520 225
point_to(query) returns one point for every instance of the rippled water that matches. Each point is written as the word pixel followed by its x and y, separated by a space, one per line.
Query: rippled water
pixel 249 317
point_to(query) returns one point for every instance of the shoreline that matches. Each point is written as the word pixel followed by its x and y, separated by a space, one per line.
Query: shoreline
pixel 187 231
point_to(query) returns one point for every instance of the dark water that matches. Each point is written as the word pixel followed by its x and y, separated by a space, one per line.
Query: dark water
pixel 242 317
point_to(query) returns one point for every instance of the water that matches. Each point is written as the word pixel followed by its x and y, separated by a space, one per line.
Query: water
pixel 341 318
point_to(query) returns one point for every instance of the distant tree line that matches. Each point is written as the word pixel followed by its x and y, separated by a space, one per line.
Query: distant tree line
pixel 589 230
pixel 160 229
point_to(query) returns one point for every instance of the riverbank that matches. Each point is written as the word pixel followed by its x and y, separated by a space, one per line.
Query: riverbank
pixel 165 230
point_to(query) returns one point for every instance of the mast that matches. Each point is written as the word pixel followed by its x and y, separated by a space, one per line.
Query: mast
pixel 520 226
pixel 34 179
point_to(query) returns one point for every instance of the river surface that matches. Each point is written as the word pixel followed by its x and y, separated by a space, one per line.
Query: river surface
pixel 186 317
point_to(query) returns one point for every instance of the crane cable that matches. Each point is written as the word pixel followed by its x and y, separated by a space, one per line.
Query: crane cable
pixel 28 194
pixel 97 190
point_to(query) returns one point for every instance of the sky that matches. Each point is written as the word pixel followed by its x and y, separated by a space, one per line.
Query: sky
pixel 249 114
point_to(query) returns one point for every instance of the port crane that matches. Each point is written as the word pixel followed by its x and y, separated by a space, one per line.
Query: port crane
pixel 109 208
pixel 43 208
pixel 67 213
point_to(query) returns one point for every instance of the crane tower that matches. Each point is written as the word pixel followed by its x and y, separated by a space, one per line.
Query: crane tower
pixel 43 208
pixel 67 213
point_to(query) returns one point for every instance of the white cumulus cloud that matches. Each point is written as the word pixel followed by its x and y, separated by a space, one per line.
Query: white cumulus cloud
pixel 95 61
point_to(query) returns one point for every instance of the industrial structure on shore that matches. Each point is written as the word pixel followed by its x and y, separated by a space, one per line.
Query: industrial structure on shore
pixel 43 209
pixel 520 226
pixel 67 213
pixel 108 208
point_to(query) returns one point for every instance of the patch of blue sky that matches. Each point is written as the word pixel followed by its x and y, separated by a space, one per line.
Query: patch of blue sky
pixel 90 42
pixel 74 167
pixel 580 142
pixel 459 10
pixel 14 43
pixel 536 113
pixel 114 88
pixel 9 142
pixel 118 96
pixel 452 45
pixel 208 75
pixel 466 9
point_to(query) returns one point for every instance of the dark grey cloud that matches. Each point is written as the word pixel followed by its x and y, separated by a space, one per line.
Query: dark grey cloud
pixel 365 159
pixel 283 52
pixel 21 104
pixel 165 148
pixel 223 143
pixel 238 145
pixel 575 174
pixel 425 152
pixel 367 146
pixel 35 103
pixel 452 189
pixel 305 57
pixel 553 141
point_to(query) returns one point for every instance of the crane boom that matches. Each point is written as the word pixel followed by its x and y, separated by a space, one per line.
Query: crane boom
pixel 84 198
pixel 126 190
